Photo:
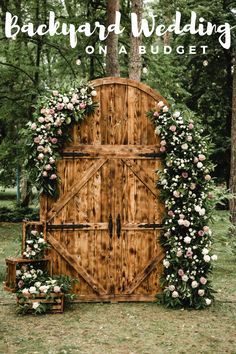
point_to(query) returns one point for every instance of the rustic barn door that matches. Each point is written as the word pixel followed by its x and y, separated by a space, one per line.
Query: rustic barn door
pixel 104 228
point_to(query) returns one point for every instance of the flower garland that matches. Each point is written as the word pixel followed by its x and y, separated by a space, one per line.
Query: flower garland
pixel 186 186
pixel 47 134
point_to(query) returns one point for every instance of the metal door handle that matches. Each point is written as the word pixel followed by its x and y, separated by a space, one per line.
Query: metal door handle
pixel 110 225
pixel 118 226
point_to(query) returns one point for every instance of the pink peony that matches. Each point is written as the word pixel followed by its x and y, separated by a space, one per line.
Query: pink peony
pixel 162 149
pixel 52 111
pixel 60 106
pixel 190 126
pixel 185 174
pixel 82 105
pixel 173 128
pixel 180 272
pixel 189 254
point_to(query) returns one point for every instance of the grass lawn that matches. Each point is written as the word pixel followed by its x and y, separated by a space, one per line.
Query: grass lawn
pixel 137 328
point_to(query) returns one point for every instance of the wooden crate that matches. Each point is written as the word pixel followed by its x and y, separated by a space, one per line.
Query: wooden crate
pixel 56 301
pixel 12 263
pixel 28 226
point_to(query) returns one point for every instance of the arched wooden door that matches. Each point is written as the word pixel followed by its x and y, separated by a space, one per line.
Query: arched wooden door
pixel 104 227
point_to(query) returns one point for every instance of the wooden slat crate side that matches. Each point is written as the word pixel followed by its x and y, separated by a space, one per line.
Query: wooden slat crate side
pixel 56 301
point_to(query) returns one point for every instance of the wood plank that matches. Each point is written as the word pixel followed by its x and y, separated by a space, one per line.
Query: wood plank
pixel 98 150
pixel 142 175
pixel 115 298
pixel 73 261
pixel 75 188
pixel 145 272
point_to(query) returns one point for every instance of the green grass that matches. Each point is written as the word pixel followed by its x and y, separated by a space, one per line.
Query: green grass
pixel 136 328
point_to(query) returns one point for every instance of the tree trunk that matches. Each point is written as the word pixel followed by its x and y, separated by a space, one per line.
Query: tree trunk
pixel 135 64
pixel 233 151
pixel 112 59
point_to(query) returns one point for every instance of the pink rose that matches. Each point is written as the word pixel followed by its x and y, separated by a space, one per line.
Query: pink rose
pixel 59 132
pixel 53 140
pixel 173 128
pixel 33 126
pixel 41 156
pixel 171 213
pixel 53 176
pixel 181 216
pixel 189 254
pixel 180 272
pixel 60 106
pixel 45 174
pixel 203 280
pixel 37 140
pixel 52 111
pixel 162 149
pixel 70 106
pixel 82 105
pixel 156 114
pixel 201 233
pixel 191 126
pixel 57 289
pixel 176 194
pixel 185 174
pixel 163 143
pixel 195 160
pixel 201 157
pixel 160 104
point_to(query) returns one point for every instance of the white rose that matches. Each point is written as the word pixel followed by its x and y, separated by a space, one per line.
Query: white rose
pixel 185 277
pixel 66 100
pixel 94 93
pixel 35 305
pixel 25 291
pixel 214 257
pixel 33 290
pixel 57 289
pixel 181 222
pixel 202 212
pixel 18 273
pixel 184 146
pixel 160 104
pixel 205 251
pixel 166 263
pixel 175 294
pixel 37 284
pixel 201 292
pixel 197 208
pixel 194 284
pixel 199 165
pixel 208 302
pixel 171 287
pixel 83 91
pixel 165 109
pixel 187 239
pixel 41 240
pixel 176 115
pixel 33 126
pixel 157 130
pixel 207 258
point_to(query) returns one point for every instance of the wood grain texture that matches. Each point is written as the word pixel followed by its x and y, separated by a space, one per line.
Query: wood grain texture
pixel 109 170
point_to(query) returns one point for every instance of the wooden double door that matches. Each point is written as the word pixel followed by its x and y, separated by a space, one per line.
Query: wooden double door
pixel 105 226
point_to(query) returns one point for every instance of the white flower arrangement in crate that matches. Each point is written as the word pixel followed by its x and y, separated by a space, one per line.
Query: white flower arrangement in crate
pixel 35 245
